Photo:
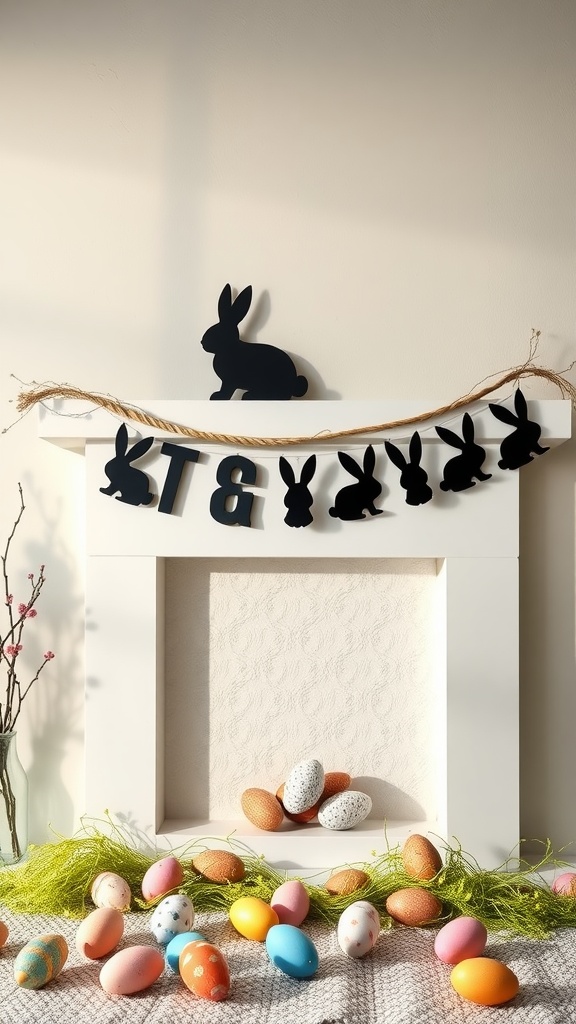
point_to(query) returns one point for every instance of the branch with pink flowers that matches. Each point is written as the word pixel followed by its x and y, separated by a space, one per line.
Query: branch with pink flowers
pixel 11 643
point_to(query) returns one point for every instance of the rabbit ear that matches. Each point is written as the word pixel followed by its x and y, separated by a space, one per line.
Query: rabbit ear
pixel 225 302
pixel 140 448
pixel 241 304
pixel 350 465
pixel 449 437
pixel 286 472
pixel 520 405
pixel 395 455
pixel 503 414
pixel 369 460
pixel 308 470
pixel 121 442
pixel 415 448
pixel 468 428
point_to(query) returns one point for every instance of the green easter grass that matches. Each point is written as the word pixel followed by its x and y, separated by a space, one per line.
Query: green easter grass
pixel 55 880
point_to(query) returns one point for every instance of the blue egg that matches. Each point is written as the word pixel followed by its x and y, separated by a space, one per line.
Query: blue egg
pixel 292 951
pixel 176 945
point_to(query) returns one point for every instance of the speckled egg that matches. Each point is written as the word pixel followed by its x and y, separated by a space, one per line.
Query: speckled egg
pixel 131 970
pixel 177 944
pixel 460 939
pixel 413 906
pixel 303 787
pixel 100 932
pixel 346 881
pixel 161 877
pixel 219 866
pixel 262 808
pixel 291 902
pixel 204 970
pixel 358 929
pixel 110 890
pixel 420 858
pixel 344 810
pixel 173 915
pixel 40 960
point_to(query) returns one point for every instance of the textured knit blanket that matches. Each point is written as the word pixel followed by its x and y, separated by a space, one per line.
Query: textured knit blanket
pixel 400 981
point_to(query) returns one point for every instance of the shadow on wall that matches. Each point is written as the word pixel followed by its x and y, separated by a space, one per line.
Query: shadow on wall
pixel 388 802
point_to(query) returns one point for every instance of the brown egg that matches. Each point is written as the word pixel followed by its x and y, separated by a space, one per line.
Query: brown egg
pixel 413 906
pixel 420 858
pixel 334 782
pixel 262 809
pixel 219 866
pixel 303 816
pixel 344 882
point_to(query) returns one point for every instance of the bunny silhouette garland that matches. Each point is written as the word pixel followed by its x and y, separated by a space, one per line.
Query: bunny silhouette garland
pixel 231 505
pixel 260 371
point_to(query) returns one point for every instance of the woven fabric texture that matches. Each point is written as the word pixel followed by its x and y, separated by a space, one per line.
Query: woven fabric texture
pixel 400 982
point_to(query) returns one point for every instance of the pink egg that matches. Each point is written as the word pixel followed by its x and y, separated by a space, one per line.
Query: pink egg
pixel 291 902
pixel 131 970
pixel 565 885
pixel 100 932
pixel 162 877
pixel 461 939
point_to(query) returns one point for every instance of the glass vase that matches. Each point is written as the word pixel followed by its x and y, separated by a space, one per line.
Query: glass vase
pixel 13 802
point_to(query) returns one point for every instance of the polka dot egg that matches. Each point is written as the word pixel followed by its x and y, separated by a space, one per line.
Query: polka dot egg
pixel 204 970
pixel 173 915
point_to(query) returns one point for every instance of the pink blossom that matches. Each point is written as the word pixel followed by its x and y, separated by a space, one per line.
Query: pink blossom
pixel 9 599
pixel 31 613
pixel 30 575
pixel 49 655
pixel 13 649
pixel 22 609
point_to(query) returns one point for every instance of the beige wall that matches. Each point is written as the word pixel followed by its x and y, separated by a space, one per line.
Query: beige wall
pixel 395 179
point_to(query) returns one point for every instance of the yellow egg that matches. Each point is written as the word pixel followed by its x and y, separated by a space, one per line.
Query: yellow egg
pixel 484 981
pixel 252 917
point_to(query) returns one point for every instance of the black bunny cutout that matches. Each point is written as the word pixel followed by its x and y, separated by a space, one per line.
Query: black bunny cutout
pixel 463 470
pixel 131 482
pixel 522 444
pixel 298 499
pixel 351 501
pixel 260 371
pixel 413 478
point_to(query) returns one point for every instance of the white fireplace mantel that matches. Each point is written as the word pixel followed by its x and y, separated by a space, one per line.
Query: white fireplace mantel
pixel 472 536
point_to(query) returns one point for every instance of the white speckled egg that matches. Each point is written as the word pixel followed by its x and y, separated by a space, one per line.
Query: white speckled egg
pixel 344 810
pixel 110 890
pixel 175 914
pixel 358 929
pixel 303 787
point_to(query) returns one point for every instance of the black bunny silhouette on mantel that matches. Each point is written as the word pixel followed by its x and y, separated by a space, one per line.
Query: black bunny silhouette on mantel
pixel 351 502
pixel 522 444
pixel 413 478
pixel 131 482
pixel 460 471
pixel 298 499
pixel 260 371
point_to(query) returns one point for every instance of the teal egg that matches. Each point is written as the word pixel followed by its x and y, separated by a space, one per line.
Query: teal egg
pixel 292 951
pixel 40 960
pixel 176 945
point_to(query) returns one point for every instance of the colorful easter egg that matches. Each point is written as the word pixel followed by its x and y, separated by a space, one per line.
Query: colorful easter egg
pixel 565 884
pixel 292 951
pixel 161 877
pixel 173 915
pixel 131 970
pixel 40 960
pixel 219 866
pixel 303 787
pixel 420 858
pixel 291 902
pixel 110 890
pixel 413 906
pixel 358 929
pixel 344 810
pixel 204 970
pixel 100 932
pixel 262 809
pixel 346 881
pixel 3 933
pixel 177 944
pixel 252 917
pixel 484 981
pixel 460 939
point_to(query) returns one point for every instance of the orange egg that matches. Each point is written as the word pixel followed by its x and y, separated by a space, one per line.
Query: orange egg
pixel 252 917
pixel 303 816
pixel 484 981
pixel 345 882
pixel 420 858
pixel 262 808
pixel 204 971
pixel 3 933
pixel 334 782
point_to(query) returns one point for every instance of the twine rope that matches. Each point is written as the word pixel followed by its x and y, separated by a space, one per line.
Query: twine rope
pixel 41 392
